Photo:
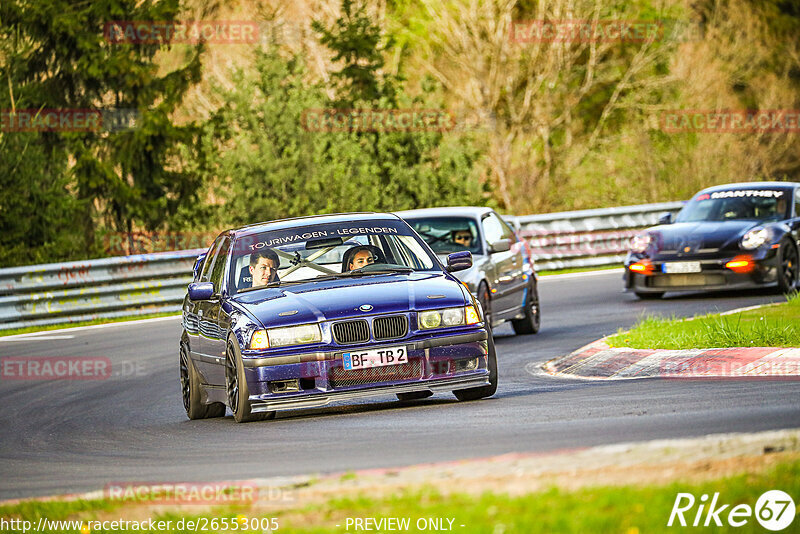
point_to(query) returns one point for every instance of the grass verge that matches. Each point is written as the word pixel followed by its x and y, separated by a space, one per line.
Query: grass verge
pixel 623 509
pixel 770 326
pixel 32 329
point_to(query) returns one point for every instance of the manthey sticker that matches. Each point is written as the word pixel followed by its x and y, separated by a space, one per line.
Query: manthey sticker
pixel 742 193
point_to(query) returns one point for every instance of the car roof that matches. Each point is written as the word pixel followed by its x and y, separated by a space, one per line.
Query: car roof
pixel 750 185
pixel 475 212
pixel 282 224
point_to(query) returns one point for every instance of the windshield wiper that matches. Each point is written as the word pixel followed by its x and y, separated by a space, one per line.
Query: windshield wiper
pixel 362 272
pixel 382 270
pixel 276 283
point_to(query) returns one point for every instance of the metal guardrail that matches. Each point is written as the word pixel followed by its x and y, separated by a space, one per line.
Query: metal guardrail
pixel 61 293
pixel 587 238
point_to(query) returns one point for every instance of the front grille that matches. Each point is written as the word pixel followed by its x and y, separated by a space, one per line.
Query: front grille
pixel 351 331
pixel 391 327
pixel 341 377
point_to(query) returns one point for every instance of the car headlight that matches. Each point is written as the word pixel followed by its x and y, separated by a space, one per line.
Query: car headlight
pixel 755 238
pixel 461 316
pixel 640 242
pixel 283 337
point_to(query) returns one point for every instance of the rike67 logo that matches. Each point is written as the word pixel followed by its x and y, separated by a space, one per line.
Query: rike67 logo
pixel 774 511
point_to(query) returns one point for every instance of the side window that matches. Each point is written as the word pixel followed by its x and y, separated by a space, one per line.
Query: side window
pixel 492 228
pixel 206 274
pixel 797 203
pixel 508 233
pixel 219 264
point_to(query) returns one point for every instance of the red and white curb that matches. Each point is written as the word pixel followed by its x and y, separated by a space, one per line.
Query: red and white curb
pixel 599 361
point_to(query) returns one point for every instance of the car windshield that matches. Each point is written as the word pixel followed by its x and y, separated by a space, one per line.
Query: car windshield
pixel 740 204
pixel 326 251
pixel 446 235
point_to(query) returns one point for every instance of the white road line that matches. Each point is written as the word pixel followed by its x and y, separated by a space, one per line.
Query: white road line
pixel 568 276
pixel 90 327
pixel 748 308
pixel 34 338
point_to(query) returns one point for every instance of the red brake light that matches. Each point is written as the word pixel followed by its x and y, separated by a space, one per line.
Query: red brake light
pixel 643 267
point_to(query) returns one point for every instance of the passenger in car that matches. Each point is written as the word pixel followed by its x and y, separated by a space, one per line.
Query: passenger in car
pixel 264 267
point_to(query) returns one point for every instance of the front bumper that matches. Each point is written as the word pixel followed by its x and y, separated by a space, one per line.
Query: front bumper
pixel 293 402
pixel 713 275
pixel 443 363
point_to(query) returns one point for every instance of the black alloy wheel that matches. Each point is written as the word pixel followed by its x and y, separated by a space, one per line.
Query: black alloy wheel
pixel 191 393
pixel 485 299
pixel 789 265
pixel 532 321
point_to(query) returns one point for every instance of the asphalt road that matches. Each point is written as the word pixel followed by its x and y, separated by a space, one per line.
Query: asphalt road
pixel 70 436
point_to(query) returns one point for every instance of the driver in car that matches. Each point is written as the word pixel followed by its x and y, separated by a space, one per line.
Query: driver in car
pixel 264 267
pixel 462 237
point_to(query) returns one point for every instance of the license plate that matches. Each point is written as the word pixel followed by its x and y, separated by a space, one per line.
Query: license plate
pixel 681 267
pixel 375 358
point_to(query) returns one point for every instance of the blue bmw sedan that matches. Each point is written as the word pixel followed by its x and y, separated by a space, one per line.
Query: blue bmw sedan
pixel 304 312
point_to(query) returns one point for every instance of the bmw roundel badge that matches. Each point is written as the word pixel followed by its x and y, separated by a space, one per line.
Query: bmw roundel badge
pixel 365 307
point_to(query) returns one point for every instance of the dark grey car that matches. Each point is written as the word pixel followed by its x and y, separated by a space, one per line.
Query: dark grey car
pixel 502 277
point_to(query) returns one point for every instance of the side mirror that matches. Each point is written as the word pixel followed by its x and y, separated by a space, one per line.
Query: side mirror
pixel 200 291
pixel 503 245
pixel 458 261
pixel 665 218
pixel 197 263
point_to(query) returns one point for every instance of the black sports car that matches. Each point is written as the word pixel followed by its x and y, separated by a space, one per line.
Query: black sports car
pixel 726 237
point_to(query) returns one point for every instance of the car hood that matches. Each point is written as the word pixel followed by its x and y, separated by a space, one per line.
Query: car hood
pixel 704 236
pixel 338 299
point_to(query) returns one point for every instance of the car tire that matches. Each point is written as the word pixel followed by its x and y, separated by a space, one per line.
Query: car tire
pixel 648 296
pixel 482 391
pixel 414 395
pixel 236 387
pixel 191 393
pixel 788 267
pixel 485 299
pixel 532 320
